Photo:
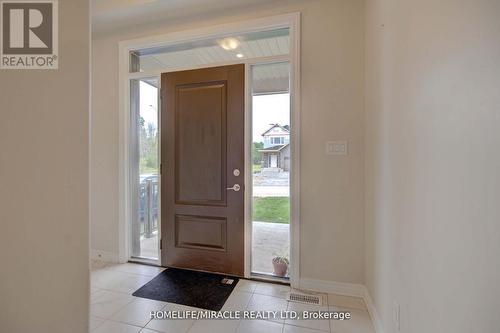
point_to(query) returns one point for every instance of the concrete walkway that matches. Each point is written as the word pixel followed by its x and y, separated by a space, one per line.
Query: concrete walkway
pixel 271 191
pixel 269 240
pixel 150 247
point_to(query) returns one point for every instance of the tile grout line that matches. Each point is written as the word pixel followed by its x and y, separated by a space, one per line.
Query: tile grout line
pixel 124 323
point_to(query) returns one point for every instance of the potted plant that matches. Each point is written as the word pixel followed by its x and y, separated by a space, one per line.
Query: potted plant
pixel 280 265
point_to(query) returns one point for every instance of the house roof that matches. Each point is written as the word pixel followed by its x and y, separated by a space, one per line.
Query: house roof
pixel 285 128
pixel 273 149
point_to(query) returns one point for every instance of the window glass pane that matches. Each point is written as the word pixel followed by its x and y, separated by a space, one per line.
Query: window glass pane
pixel 211 51
pixel 271 169
pixel 144 167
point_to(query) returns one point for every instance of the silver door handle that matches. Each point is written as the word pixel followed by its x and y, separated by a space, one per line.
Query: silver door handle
pixel 236 188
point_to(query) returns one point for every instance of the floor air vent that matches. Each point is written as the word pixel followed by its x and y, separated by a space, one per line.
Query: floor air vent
pixel 307 299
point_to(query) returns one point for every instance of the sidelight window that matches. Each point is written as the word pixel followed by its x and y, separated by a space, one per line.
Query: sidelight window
pixel 144 168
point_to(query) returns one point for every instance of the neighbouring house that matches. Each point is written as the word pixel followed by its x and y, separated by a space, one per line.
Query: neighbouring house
pixel 276 150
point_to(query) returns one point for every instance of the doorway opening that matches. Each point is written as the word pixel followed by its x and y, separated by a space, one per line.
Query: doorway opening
pixel 269 50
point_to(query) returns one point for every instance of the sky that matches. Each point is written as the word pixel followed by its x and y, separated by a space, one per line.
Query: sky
pixel 149 103
pixel 267 110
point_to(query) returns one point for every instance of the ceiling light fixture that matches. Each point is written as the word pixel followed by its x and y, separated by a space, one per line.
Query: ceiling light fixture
pixel 229 43
pixel 239 55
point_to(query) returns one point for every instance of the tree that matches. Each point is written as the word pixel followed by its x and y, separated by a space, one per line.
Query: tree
pixel 256 155
pixel 148 147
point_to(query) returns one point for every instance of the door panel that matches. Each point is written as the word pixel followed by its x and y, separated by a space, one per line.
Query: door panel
pixel 196 232
pixel 202 143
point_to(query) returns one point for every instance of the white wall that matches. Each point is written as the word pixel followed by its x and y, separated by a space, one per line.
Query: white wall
pixel 104 150
pixel 432 163
pixel 332 228
pixel 44 166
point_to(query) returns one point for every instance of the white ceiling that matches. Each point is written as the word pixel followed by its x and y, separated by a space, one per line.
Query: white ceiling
pixel 215 54
pixel 266 78
pixel 117 14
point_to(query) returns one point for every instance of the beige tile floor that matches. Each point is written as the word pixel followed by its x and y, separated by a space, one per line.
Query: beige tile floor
pixel 115 310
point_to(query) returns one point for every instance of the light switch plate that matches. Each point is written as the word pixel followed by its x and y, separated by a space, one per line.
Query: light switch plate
pixel 336 148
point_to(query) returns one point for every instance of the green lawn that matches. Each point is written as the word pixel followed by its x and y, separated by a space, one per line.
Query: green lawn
pixel 257 168
pixel 272 209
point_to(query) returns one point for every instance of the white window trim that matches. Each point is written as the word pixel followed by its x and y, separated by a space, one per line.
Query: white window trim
pixel 291 21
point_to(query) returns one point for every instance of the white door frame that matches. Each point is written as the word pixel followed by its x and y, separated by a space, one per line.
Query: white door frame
pixel 291 21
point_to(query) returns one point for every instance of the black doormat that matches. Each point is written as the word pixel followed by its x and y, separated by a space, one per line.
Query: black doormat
pixel 197 289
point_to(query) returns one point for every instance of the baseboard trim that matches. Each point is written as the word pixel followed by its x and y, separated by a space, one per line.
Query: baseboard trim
pixel 104 256
pixel 340 288
pixel 346 289
pixel 372 310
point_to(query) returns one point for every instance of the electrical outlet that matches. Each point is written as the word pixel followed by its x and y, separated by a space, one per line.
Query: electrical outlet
pixel 397 315
pixel 336 148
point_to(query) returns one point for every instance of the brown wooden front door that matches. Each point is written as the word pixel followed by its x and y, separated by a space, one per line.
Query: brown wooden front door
pixel 202 149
